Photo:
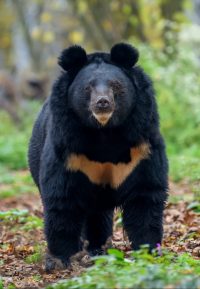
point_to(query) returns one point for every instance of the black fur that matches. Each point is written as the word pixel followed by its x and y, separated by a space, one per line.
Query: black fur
pixel 72 58
pixel 71 202
pixel 124 55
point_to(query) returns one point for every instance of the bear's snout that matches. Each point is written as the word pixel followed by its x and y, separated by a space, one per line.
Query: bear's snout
pixel 102 103
pixel 102 98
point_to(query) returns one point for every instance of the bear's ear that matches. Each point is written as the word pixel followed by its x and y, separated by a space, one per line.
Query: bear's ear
pixel 72 58
pixel 124 54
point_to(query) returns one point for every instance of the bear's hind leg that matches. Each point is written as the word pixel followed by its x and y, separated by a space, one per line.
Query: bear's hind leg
pixel 97 230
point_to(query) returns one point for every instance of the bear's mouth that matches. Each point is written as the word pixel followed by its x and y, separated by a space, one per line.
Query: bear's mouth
pixel 102 117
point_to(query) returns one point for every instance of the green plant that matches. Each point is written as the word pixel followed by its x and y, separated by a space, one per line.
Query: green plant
pixel 14 139
pixel 1 284
pixel 13 215
pixel 35 257
pixel 177 85
pixel 142 271
pixel 29 222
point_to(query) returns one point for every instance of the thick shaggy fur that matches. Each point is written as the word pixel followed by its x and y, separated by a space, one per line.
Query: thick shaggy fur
pixel 73 205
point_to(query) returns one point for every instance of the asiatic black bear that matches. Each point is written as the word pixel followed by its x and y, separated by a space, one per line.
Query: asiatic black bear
pixel 95 146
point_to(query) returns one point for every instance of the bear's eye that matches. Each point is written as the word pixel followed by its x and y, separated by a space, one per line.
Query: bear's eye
pixel 116 86
pixel 88 89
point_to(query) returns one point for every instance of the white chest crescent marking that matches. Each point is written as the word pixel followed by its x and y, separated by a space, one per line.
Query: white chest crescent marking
pixel 107 173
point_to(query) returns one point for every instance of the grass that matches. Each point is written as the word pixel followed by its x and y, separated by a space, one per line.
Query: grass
pixel 14 139
pixel 143 271
pixel 15 182
pixel 36 256
pixel 30 222
pixel 184 167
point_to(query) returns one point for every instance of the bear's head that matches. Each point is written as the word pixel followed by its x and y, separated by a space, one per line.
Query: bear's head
pixel 101 90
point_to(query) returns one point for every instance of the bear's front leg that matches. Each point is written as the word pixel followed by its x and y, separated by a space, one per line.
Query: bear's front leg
pixel 63 217
pixel 142 219
pixel 62 229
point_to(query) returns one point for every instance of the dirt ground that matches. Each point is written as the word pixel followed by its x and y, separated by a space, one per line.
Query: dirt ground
pixel 181 227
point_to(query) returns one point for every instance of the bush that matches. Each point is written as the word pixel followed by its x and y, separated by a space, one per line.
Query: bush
pixel 14 139
pixel 177 85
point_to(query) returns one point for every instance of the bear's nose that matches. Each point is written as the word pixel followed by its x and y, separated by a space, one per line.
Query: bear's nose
pixel 103 103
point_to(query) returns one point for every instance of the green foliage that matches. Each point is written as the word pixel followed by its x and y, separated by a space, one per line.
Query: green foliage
pixel 14 215
pixel 195 206
pixel 185 165
pixel 37 277
pixel 14 139
pixel 175 199
pixel 1 284
pixel 179 105
pixel 33 222
pixel 15 182
pixel 35 257
pixel 22 216
pixel 10 286
pixel 143 271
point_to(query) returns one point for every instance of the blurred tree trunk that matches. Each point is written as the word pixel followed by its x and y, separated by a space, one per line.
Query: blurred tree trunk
pixel 196 12
pixel 100 11
pixel 90 26
pixel 6 23
pixel 137 30
pixel 169 9
pixel 33 51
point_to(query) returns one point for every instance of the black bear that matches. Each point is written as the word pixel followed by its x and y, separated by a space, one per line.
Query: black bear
pixel 95 146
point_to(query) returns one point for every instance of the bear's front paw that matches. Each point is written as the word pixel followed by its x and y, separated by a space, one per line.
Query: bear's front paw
pixel 96 252
pixel 53 263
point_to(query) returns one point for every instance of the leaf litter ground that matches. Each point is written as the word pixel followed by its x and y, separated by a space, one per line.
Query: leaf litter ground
pixel 22 244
